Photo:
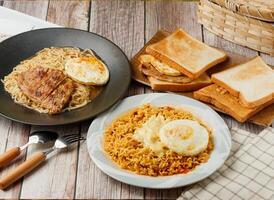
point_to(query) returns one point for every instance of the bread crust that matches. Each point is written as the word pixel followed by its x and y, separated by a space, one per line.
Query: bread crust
pixel 177 87
pixel 237 94
pixel 149 70
pixel 227 103
pixel 183 69
pixel 243 101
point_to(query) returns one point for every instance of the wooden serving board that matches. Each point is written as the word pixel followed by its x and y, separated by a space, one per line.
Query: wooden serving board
pixel 263 118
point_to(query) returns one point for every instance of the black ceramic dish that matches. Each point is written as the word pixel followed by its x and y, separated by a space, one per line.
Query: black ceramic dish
pixel 25 45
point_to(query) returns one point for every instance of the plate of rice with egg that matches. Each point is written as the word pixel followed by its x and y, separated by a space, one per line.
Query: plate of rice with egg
pixel 159 141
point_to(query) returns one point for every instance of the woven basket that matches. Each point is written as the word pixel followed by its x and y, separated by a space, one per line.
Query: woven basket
pixel 259 9
pixel 238 27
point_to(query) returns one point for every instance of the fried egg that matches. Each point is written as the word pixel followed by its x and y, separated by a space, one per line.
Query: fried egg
pixel 87 70
pixel 160 66
pixel 184 137
pixel 148 134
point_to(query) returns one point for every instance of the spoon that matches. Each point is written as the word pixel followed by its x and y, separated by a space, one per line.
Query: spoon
pixel 37 137
pixel 36 159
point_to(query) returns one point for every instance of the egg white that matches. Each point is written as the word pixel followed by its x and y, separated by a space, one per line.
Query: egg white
pixel 165 69
pixel 148 134
pixel 87 70
pixel 184 137
pixel 160 66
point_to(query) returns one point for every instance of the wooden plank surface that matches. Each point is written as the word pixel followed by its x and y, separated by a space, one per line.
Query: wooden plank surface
pixel 216 41
pixel 37 8
pixel 13 133
pixel 55 178
pixel 122 22
pixel 157 17
pixel 129 24
pixel 75 15
pixel 59 173
pixel 267 58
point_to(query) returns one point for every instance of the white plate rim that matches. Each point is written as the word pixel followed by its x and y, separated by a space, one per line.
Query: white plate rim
pixel 95 133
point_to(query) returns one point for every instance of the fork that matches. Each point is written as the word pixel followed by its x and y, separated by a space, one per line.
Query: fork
pixel 36 159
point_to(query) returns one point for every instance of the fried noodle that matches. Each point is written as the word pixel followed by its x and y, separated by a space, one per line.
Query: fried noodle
pixel 130 154
pixel 54 58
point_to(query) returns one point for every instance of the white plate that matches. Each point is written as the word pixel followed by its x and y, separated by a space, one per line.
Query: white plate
pixel 221 135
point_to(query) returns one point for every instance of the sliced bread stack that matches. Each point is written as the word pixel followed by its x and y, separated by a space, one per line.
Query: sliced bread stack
pixel 178 63
pixel 241 91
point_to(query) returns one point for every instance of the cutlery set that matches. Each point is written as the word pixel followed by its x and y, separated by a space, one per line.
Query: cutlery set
pixel 38 137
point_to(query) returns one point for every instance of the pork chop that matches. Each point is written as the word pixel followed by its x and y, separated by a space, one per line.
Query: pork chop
pixel 37 83
pixel 56 101
pixel 48 87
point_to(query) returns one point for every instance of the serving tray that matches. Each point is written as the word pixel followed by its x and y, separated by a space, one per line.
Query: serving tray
pixel 262 118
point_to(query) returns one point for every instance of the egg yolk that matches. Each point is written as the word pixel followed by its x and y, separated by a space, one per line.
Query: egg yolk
pixel 93 60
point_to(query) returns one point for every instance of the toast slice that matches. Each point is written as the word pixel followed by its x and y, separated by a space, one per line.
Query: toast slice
pixel 149 70
pixel 153 67
pixel 162 68
pixel 223 100
pixel 252 82
pixel 196 84
pixel 186 54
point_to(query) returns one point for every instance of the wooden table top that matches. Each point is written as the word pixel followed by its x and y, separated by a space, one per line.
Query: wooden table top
pixel 129 24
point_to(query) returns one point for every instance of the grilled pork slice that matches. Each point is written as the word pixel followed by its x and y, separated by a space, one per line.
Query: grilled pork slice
pixel 57 100
pixel 37 83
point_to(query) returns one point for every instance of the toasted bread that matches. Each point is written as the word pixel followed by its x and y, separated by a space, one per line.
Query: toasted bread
pixel 186 54
pixel 252 82
pixel 226 102
pixel 196 84
pixel 149 70
pixel 162 68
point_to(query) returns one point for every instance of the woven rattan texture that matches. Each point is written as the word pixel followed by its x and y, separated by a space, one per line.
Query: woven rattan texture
pixel 260 9
pixel 246 31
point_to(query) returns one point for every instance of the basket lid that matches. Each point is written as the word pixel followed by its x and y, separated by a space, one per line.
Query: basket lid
pixel 259 9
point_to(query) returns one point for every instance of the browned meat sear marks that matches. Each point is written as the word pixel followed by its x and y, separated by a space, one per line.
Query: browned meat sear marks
pixel 29 81
pixel 47 87
pixel 37 83
pixel 56 101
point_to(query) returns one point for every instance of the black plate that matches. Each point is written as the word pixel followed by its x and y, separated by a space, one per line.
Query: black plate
pixel 25 45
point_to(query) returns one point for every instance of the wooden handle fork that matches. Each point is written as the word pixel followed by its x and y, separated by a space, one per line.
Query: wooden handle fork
pixel 22 170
